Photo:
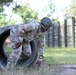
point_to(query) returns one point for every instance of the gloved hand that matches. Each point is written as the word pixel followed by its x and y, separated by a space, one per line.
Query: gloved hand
pixel 17 45
pixel 21 33
pixel 38 63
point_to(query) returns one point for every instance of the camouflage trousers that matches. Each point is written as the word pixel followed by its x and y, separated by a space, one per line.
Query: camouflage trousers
pixel 16 53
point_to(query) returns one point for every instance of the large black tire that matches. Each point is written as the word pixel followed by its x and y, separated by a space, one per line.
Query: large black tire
pixel 28 61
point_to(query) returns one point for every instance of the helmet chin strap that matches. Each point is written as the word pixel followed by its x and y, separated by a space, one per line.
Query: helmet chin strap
pixel 44 29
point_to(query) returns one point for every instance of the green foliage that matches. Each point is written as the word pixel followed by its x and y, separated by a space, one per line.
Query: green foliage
pixel 71 12
pixel 3 16
pixel 25 12
pixel 2 20
pixel 11 22
pixel 73 9
pixel 52 8
pixel 4 2
pixel 55 20
pixel 1 8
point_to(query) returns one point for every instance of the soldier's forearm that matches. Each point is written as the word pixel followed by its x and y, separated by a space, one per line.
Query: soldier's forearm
pixel 40 54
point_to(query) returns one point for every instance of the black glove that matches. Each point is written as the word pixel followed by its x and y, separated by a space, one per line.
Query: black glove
pixel 17 45
pixel 25 41
pixel 38 64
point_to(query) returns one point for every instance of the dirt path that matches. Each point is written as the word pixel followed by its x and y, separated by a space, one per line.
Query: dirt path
pixel 63 69
pixel 46 69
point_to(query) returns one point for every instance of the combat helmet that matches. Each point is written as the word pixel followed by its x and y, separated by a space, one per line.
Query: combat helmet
pixel 46 22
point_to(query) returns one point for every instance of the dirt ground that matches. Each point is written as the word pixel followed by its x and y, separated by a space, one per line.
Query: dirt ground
pixel 63 69
pixel 46 69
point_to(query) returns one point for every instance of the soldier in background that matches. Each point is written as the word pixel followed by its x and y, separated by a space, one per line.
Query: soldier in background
pixel 21 35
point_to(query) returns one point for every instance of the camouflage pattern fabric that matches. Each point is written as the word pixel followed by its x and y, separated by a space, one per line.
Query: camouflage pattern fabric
pixel 32 31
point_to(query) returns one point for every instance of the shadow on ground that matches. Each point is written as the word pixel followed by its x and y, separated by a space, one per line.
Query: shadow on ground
pixel 45 69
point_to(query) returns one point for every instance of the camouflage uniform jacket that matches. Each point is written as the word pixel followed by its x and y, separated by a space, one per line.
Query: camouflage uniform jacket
pixel 33 31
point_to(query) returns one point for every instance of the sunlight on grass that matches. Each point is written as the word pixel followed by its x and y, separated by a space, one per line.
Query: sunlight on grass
pixel 50 66
pixel 8 49
pixel 60 55
pixel 57 55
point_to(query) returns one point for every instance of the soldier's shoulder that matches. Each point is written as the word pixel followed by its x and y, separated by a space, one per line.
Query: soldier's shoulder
pixel 32 21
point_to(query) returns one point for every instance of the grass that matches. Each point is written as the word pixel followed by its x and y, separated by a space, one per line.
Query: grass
pixel 60 55
pixel 44 70
pixel 57 55
pixel 50 66
pixel 8 49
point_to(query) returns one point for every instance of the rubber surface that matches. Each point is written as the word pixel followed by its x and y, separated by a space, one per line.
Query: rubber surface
pixel 28 61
